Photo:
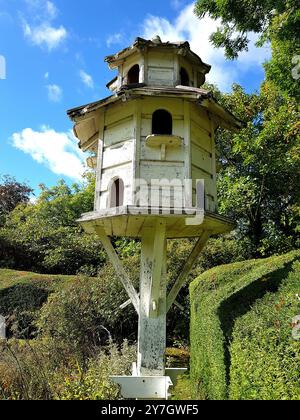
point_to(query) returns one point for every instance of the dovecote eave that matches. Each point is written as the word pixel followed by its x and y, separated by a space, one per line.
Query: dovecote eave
pixel 199 96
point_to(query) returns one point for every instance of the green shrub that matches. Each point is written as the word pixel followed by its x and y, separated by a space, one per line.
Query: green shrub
pixel 219 250
pixel 94 383
pixel 87 313
pixel 184 390
pixel 43 370
pixel 218 298
pixel 21 297
pixel 25 369
pixel 52 250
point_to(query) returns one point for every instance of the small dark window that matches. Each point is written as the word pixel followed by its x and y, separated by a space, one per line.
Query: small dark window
pixel 184 77
pixel 134 75
pixel 162 123
pixel 200 79
pixel 117 193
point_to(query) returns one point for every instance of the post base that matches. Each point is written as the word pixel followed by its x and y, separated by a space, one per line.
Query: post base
pixel 148 387
pixel 144 388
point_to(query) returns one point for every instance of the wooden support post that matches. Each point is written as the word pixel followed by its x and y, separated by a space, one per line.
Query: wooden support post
pixel 183 276
pixel 119 268
pixel 187 153
pixel 157 267
pixel 152 323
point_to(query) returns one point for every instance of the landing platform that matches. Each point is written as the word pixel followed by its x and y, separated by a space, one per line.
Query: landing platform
pixel 129 221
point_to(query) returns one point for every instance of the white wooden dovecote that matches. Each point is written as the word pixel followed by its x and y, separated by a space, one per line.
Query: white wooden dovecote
pixel 158 126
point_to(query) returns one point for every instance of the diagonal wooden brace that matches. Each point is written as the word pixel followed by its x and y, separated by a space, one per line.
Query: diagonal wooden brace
pixel 119 268
pixel 183 276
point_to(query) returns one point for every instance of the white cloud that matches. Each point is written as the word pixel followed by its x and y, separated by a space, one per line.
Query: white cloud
pixel 58 151
pixel 187 26
pixel 51 10
pixel 114 39
pixel 42 9
pixel 38 27
pixel 45 35
pixel 46 75
pixel 86 79
pixel 54 93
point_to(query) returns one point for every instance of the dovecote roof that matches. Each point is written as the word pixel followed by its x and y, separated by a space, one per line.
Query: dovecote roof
pixel 141 44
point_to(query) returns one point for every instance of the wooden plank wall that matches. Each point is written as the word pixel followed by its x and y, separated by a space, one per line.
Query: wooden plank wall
pixel 118 151
pixel 203 149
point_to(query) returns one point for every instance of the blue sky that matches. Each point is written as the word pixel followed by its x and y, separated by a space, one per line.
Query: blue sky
pixel 54 53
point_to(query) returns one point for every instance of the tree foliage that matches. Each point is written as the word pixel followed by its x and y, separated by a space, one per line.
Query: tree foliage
pixel 259 182
pixel 45 237
pixel 242 16
pixel 277 22
pixel 12 193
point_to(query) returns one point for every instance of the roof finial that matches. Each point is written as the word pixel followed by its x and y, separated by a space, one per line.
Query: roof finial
pixel 157 39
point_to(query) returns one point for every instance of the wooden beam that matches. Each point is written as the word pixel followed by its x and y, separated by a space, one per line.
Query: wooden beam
pixel 187 152
pixel 182 278
pixel 119 268
pixel 157 267
pixel 97 202
pixel 152 329
pixel 85 145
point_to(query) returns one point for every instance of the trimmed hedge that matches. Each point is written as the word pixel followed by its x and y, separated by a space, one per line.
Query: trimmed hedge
pixel 22 295
pixel 265 359
pixel 219 300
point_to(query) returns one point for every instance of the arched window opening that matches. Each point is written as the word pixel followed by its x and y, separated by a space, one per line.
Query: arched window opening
pixel 117 193
pixel 184 77
pixel 134 75
pixel 162 123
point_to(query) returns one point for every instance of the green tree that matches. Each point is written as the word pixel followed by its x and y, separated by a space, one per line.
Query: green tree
pixel 12 193
pixel 277 21
pixel 45 237
pixel 259 183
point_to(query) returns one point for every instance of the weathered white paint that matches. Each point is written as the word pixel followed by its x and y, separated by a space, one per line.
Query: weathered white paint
pixel 152 318
pixel 118 154
pixel 157 267
pixel 160 68
pixel 137 148
pixel 187 152
pixel 130 222
pixel 97 202
pixel 119 131
pixel 124 171
pixel 129 63
pixel 154 153
pixel 144 388
pixel 128 150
